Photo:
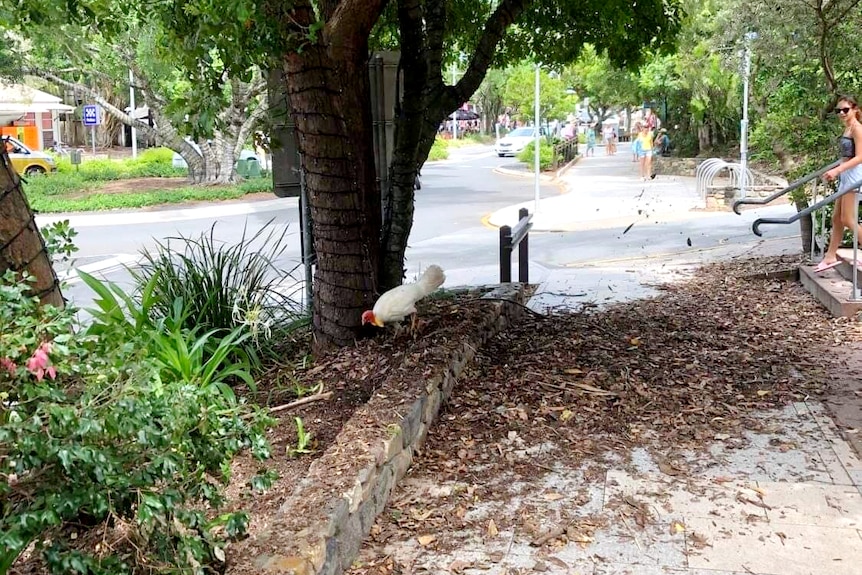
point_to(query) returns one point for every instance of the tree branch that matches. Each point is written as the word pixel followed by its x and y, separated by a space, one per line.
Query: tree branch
pixel 495 29
pixel 352 21
pixel 109 108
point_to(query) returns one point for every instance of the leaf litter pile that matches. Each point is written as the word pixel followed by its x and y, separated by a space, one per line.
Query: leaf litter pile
pixel 699 363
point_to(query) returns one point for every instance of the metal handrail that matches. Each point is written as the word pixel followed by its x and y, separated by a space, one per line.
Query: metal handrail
pixel 755 227
pixel 797 184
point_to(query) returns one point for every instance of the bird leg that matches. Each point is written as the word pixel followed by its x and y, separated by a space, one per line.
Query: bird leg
pixel 414 324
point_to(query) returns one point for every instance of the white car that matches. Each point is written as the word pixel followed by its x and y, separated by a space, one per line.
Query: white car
pixel 515 141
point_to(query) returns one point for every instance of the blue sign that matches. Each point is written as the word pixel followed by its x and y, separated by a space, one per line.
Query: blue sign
pixel 91 115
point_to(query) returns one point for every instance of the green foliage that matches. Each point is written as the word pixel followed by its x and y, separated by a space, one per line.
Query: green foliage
pixel 520 93
pixel 59 240
pixel 151 163
pixel 223 287
pixel 69 192
pixel 439 150
pixel 546 155
pixel 98 432
pixel 595 77
pixel 303 440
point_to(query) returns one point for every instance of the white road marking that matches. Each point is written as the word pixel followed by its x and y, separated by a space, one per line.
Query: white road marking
pixel 102 267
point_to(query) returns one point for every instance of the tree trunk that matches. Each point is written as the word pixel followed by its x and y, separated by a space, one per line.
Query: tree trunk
pixel 22 248
pixel 328 90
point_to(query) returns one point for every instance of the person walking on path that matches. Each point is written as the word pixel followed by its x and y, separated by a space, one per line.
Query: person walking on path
pixel 644 143
pixel 849 176
pixel 591 141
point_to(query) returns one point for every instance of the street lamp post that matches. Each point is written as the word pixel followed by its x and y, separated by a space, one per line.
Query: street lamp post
pixel 538 139
pixel 743 124
pixel 455 113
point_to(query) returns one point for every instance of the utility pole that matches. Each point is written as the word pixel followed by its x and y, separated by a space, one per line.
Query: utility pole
pixel 743 124
pixel 538 138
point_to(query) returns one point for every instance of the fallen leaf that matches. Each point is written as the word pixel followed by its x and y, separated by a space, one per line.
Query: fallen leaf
pixel 425 540
pixel 573 371
pixel 668 469
pixel 763 392
pixel 676 527
pixel 698 541
pixel 553 496
pixel 459 565
pixel 566 415
pixel 492 528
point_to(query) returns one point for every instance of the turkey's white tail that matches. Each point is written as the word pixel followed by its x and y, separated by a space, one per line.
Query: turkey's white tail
pixel 431 279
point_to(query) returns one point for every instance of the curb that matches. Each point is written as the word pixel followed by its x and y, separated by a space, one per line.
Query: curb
pixel 544 176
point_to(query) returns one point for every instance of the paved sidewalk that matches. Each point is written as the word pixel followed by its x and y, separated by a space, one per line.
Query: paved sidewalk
pixel 782 500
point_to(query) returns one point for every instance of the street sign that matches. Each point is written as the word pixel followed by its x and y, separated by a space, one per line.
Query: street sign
pixel 91 115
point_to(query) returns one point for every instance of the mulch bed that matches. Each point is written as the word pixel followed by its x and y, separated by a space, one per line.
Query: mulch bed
pixel 667 373
pixel 383 365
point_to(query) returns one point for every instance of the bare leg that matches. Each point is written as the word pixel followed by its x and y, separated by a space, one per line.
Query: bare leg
pixel 842 218
pixel 647 166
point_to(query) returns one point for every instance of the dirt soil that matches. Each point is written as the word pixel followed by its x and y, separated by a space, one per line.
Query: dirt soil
pixel 141 185
pixel 665 374
pixel 384 366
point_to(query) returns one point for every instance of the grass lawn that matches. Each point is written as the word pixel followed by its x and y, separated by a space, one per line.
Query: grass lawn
pixel 148 180
pixel 46 197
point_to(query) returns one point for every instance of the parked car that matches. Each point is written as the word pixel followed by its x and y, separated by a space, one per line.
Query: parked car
pixel 27 161
pixel 515 141
pixel 177 160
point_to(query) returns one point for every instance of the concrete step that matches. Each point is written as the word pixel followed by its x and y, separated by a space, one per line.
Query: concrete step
pixel 846 269
pixel 832 289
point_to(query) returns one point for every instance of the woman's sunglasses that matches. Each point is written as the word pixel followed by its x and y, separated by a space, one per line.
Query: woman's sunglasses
pixel 842 110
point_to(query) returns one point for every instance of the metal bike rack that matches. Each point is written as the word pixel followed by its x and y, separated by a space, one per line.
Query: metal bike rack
pixel 709 169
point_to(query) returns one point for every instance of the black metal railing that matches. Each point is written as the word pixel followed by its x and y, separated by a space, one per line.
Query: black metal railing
pixel 509 238
pixel 797 184
pixel 755 227
pixel 565 152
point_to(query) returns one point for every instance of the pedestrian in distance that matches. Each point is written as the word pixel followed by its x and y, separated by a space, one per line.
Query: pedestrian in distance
pixel 644 142
pixel 661 149
pixel 591 141
pixel 849 176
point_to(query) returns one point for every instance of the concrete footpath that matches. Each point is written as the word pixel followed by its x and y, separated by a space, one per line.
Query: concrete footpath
pixel 616 236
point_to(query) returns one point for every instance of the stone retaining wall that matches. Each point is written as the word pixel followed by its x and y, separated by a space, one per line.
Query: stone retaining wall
pixel 724 196
pixel 321 526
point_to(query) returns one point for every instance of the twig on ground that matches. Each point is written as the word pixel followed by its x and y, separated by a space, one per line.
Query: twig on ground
pixel 552 534
pixel 303 401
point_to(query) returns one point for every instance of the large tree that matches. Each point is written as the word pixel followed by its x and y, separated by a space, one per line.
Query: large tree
pixel 322 49
pixel 81 59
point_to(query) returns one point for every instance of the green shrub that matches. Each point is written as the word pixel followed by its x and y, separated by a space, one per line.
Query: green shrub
pixel 439 150
pixel 105 431
pixel 546 155
pixel 59 184
pixel 224 286
pixel 150 163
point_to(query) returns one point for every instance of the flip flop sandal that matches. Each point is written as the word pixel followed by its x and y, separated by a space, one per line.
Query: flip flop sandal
pixel 823 266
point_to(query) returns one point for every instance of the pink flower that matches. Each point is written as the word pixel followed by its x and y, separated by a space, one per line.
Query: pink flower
pixel 8 365
pixel 39 363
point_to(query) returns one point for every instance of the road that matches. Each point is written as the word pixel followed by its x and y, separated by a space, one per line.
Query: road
pixel 456 195
pixel 618 231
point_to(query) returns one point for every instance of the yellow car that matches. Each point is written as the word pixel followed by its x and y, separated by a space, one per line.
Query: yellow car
pixel 27 161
